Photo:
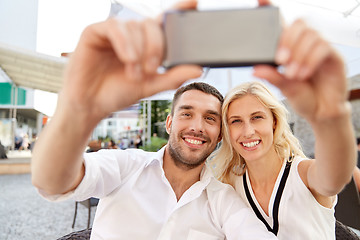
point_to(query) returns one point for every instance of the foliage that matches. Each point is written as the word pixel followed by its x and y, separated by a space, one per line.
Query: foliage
pixel 159 111
pixel 156 144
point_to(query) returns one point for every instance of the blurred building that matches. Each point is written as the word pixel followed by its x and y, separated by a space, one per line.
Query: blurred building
pixel 18 27
pixel 119 125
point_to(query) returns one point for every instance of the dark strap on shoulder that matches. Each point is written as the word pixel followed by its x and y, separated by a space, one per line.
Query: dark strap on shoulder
pixel 280 190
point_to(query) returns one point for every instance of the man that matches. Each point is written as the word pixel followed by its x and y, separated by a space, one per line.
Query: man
pixel 170 194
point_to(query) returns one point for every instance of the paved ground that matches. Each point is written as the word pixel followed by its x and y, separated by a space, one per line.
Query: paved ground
pixel 24 215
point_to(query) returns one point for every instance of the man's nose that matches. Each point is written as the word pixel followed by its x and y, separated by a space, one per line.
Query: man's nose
pixel 197 125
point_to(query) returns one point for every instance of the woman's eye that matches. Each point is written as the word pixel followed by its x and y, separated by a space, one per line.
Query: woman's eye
pixel 235 121
pixel 258 117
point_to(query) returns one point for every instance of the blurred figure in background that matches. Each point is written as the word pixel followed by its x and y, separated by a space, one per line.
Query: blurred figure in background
pixel 2 152
pixel 138 141
pixel 111 144
pixel 94 146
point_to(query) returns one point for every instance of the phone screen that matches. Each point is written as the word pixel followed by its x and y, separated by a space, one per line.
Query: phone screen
pixel 222 38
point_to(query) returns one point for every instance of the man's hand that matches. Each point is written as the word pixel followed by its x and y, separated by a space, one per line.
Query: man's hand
pixel 114 65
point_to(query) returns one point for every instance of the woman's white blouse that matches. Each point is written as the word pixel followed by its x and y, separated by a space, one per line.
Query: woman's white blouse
pixel 300 215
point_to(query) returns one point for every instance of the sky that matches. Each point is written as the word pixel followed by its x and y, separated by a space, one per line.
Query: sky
pixel 60 23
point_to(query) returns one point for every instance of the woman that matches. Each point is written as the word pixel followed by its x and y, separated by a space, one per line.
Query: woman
pixel 259 156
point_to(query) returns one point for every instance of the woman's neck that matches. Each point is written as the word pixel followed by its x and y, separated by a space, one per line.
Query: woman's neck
pixel 263 172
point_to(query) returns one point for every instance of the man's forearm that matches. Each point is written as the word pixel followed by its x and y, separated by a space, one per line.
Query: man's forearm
pixel 57 163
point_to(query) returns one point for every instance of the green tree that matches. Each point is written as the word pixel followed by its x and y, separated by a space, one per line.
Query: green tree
pixel 159 111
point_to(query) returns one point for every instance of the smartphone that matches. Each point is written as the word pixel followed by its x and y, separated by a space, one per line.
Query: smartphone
pixel 222 38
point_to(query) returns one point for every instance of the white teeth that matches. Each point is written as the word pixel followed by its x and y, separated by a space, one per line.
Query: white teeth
pixel 193 141
pixel 251 144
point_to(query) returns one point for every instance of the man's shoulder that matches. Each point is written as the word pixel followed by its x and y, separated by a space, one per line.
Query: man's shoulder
pixel 219 188
pixel 224 201
pixel 126 158
pixel 129 152
pixel 214 184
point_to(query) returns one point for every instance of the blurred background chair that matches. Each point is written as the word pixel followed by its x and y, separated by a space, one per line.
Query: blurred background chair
pixel 91 202
pixel 79 235
pixel 347 210
pixel 342 232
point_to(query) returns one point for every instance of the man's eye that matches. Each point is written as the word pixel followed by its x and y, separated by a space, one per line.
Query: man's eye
pixel 210 118
pixel 186 114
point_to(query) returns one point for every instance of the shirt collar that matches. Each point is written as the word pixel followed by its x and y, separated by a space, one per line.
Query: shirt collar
pixel 206 172
pixel 158 157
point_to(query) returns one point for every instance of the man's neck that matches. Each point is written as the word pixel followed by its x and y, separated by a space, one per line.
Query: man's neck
pixel 180 179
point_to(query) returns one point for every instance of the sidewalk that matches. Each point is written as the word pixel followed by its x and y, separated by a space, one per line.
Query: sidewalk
pixel 24 215
pixel 18 162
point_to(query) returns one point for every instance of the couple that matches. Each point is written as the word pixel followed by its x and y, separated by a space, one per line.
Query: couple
pixel 172 194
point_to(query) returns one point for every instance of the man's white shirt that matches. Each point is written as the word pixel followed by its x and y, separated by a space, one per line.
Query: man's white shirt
pixel 137 201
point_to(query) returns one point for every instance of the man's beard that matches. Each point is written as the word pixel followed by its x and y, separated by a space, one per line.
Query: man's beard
pixel 181 161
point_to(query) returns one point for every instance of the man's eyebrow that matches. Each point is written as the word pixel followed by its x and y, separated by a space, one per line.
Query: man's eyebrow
pixel 185 107
pixel 212 112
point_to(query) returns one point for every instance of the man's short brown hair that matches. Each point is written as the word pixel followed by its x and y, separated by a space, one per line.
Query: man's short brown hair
pixel 201 86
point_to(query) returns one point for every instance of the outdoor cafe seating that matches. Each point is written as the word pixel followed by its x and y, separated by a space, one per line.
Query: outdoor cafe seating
pixel 88 203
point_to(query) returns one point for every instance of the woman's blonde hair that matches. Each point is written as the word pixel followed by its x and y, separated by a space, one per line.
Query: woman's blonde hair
pixel 225 161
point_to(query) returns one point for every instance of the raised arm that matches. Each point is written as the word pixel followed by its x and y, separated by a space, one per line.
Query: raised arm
pixel 314 82
pixel 114 65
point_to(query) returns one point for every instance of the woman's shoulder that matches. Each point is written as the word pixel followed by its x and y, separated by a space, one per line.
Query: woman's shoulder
pixel 299 159
pixel 300 166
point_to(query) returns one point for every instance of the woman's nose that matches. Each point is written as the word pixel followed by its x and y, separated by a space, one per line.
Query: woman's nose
pixel 249 130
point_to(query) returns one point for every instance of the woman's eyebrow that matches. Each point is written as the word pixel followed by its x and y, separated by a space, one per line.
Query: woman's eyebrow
pixel 257 112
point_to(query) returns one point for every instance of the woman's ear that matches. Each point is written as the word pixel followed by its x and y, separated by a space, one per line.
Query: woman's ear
pixel 274 125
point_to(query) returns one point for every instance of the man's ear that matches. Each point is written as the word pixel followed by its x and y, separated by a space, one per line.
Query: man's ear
pixel 219 138
pixel 168 123
pixel 220 134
